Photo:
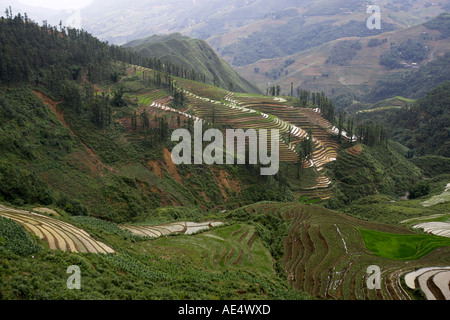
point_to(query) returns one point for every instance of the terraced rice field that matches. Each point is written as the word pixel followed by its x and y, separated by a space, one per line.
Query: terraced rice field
pixel 57 234
pixel 268 115
pixel 300 121
pixel 402 246
pixel 171 228
pixel 434 282
pixel 245 112
pixel 326 256
pixel 226 248
pixel 146 99
pixel 437 228
pixel 442 198
pixel 438 224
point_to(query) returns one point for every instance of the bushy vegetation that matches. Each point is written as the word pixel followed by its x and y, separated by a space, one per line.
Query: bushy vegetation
pixel 27 133
pixel 406 51
pixel 377 169
pixel 14 238
pixel 432 165
pixel 343 52
pixel 419 190
pixel 271 229
pixel 422 126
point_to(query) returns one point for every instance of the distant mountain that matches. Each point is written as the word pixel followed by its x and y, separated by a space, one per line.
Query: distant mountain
pixel 196 18
pixel 353 66
pixel 192 54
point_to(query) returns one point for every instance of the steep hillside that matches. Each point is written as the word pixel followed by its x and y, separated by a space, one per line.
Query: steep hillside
pixel 82 155
pixel 361 171
pixel 192 54
pixel 292 30
pixel 422 125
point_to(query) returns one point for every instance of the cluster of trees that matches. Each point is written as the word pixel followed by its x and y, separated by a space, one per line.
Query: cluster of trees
pixel 60 60
pixel 305 150
pixel 157 133
pixel 273 91
pixel 407 51
pixel 371 134
pixel 85 101
pixel 101 110
pixel 47 56
pixel 280 71
pixel 179 99
pixel 344 51
pixel 307 98
pixel 424 126
pixel 420 189
pixel 376 42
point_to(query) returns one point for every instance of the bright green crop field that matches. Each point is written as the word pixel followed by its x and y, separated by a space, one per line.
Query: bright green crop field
pixel 402 246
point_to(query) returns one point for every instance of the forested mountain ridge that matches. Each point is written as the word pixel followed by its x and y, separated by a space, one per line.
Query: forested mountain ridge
pixel 421 126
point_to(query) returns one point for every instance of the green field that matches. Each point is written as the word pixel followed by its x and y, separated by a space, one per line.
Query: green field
pixel 402 246
pixel 233 247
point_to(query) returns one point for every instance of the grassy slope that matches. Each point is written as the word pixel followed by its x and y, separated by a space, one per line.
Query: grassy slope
pixel 192 54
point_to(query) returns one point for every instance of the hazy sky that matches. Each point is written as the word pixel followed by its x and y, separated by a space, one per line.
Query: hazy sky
pixel 58 4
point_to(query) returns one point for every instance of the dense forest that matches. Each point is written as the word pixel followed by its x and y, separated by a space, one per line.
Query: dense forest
pixel 343 52
pixel 422 126
pixel 48 56
pixel 409 51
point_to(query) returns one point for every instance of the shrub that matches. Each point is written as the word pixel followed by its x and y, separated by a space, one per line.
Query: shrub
pixel 14 238
pixel 421 189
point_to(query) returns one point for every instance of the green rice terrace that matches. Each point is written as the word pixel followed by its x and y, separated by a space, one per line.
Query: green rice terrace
pixel 217 106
